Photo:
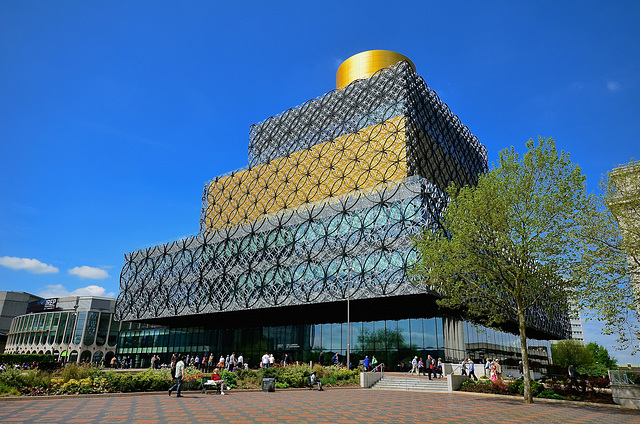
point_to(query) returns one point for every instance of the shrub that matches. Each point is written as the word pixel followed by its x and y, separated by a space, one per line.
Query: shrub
pixel 549 394
pixel 597 384
pixel 249 378
pixel 293 376
pixel 25 358
pixel 268 372
pixel 229 378
pixel 77 372
pixel 468 382
pixel 517 386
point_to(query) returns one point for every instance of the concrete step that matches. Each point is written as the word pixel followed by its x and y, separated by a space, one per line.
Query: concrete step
pixel 411 384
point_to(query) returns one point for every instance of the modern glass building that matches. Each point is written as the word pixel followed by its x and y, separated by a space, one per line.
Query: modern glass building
pixel 76 329
pixel 307 248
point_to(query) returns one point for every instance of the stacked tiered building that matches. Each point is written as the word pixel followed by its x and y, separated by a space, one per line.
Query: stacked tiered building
pixel 306 249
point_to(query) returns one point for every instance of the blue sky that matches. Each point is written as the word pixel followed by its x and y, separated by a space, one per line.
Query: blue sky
pixel 114 114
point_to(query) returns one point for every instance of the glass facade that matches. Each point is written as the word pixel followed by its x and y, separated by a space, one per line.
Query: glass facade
pixel 393 342
pixel 80 335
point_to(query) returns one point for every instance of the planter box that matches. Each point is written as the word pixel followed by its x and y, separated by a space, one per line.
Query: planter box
pixel 627 395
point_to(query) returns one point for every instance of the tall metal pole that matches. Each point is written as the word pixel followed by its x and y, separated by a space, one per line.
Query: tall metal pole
pixel 349 319
pixel 348 332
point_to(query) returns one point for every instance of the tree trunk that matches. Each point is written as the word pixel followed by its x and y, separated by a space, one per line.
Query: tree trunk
pixel 522 326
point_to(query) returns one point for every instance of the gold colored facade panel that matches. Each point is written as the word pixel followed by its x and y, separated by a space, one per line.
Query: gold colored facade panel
pixel 374 155
pixel 363 65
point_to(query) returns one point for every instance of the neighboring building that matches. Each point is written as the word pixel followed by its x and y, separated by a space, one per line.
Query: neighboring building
pixel 577 331
pixel 311 242
pixel 82 326
pixel 12 304
pixel 625 206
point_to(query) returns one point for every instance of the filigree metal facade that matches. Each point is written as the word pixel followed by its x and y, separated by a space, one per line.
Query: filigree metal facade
pixel 326 208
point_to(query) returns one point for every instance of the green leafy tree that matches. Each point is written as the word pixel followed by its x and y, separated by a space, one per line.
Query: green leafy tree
pixel 601 355
pixel 509 245
pixel 566 352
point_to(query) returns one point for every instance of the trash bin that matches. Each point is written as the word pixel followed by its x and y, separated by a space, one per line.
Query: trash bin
pixel 268 384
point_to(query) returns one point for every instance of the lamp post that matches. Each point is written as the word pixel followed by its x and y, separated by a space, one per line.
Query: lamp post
pixel 349 318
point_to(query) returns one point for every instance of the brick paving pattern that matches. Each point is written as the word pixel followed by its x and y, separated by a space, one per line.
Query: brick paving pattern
pixel 338 406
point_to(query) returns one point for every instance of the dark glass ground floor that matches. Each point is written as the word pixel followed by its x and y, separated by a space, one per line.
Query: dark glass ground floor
pixel 393 342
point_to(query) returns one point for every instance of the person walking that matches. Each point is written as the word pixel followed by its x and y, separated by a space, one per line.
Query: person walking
pixel 471 367
pixel 179 377
pixel 439 368
pixel 414 365
pixel 498 370
pixel 240 362
pixel 367 362
pixel 487 367
pixel 463 367
pixel 431 366
pixel 573 376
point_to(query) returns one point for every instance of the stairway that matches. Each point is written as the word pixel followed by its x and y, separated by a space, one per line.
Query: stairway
pixel 411 383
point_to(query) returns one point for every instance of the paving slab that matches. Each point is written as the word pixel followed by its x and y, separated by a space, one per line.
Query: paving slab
pixel 344 406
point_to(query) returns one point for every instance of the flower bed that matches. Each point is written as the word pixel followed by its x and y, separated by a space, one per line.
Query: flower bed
pixel 76 379
pixel 588 390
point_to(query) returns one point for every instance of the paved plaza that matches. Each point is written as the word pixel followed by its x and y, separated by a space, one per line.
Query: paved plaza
pixel 337 406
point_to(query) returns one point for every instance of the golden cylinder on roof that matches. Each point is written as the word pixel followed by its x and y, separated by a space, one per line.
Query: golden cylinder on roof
pixel 363 65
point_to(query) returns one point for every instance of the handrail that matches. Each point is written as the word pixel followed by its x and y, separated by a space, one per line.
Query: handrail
pixel 378 366
pixel 624 377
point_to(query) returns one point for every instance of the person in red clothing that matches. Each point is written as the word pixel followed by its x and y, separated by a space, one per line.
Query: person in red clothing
pixel 218 381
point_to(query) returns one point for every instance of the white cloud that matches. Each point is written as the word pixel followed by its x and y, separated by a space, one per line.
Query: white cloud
pixel 33 266
pixel 89 272
pixel 58 290
pixel 613 86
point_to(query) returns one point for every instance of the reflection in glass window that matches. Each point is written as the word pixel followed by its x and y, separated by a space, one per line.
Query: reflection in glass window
pixel 71 322
pixel 92 326
pixel 113 332
pixel 47 322
pixel 404 334
pixel 336 337
pixel 368 337
pixel 439 333
pixel 77 337
pixel 326 337
pixel 429 327
pixel 391 335
pixel 55 321
pixel 61 327
pixel 417 339
pixel 103 328
pixel 356 331
pixel 316 337
pixel 41 320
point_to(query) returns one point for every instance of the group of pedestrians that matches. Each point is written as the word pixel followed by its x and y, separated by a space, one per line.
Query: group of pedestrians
pixel 467 367
pixel 178 365
pixel 428 367
pixel 494 369
pixel 231 363
pixel 370 364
